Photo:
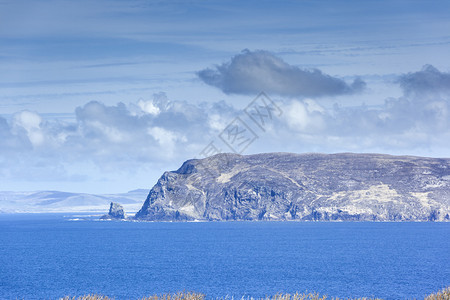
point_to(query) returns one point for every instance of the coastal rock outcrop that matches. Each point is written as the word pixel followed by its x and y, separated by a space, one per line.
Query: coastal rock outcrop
pixel 116 212
pixel 303 187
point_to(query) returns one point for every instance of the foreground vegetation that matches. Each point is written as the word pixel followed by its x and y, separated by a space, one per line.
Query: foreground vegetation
pixel 441 295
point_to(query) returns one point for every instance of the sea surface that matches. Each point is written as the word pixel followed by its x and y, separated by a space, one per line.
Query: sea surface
pixel 50 256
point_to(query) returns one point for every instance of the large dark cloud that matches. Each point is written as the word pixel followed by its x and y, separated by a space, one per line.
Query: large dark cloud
pixel 253 72
pixel 428 80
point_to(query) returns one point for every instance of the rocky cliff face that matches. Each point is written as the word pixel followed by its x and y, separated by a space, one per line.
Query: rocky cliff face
pixel 284 186
pixel 116 212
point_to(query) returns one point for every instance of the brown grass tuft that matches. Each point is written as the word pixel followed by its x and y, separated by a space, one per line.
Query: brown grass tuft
pixel 305 296
pixel 441 295
pixel 86 297
pixel 177 296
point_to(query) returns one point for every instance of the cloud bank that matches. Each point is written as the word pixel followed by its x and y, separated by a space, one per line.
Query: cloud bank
pixel 416 123
pixel 157 133
pixel 252 72
pixel 116 138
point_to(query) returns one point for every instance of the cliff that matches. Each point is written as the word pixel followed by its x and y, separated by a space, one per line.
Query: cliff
pixel 285 186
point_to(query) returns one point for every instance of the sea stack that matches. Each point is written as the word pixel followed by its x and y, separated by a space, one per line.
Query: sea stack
pixel 116 212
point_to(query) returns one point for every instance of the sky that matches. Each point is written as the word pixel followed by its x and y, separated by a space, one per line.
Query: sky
pixel 104 96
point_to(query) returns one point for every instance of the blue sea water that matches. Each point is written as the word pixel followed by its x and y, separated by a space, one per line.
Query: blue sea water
pixel 49 256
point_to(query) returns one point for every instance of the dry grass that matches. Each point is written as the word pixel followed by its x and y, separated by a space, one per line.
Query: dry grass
pixel 304 296
pixel 178 296
pixel 87 297
pixel 307 296
pixel 441 295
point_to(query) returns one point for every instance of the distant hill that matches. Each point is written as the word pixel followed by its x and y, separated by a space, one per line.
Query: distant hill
pixel 285 186
pixel 55 201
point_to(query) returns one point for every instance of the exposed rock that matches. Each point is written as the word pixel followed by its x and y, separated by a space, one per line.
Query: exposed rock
pixel 284 186
pixel 116 212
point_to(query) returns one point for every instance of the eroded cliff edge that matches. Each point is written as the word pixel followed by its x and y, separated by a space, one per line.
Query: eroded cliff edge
pixel 286 186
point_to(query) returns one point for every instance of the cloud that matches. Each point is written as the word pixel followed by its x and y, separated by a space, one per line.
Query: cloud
pixel 253 72
pixel 109 137
pixel 427 80
pixel 411 124
pixel 30 122
pixel 106 140
pixel 305 116
pixel 151 130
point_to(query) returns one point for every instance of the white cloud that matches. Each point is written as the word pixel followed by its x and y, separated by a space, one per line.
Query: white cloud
pixel 411 124
pixel 31 123
pixel 305 116
pixel 167 140
pixel 117 138
pixel 148 107
pixel 129 138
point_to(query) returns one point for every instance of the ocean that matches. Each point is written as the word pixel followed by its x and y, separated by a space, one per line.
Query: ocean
pixel 46 256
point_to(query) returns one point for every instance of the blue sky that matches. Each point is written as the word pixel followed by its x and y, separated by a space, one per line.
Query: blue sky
pixel 103 96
